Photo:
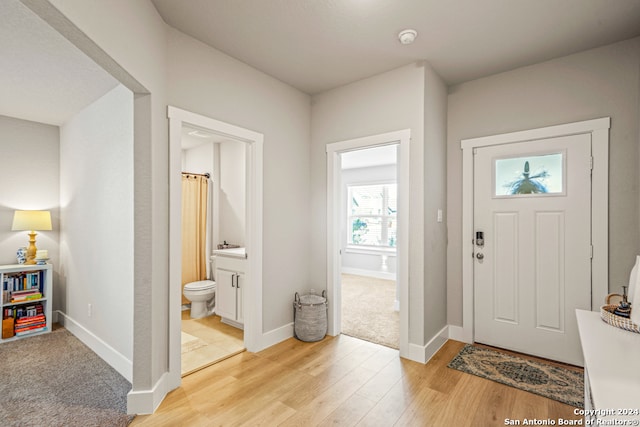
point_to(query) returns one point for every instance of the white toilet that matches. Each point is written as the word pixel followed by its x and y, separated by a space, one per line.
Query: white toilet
pixel 202 295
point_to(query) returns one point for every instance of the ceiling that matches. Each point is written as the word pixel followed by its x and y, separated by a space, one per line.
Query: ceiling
pixel 43 77
pixel 316 45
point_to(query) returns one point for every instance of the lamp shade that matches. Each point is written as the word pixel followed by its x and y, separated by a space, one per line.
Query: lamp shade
pixel 31 220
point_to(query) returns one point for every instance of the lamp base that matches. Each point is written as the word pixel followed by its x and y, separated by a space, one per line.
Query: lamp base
pixel 31 250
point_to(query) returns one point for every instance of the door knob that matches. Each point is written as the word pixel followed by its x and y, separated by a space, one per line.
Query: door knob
pixel 480 255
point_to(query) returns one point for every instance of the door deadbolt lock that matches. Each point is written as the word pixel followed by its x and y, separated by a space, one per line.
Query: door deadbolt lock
pixel 480 238
pixel 480 256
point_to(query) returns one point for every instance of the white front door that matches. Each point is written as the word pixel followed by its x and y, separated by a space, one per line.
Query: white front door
pixel 532 208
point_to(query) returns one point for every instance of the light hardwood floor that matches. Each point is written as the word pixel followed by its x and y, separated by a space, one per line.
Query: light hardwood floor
pixel 344 381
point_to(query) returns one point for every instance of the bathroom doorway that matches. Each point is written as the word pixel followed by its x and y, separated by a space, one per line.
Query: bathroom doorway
pixel 213 199
pixel 248 327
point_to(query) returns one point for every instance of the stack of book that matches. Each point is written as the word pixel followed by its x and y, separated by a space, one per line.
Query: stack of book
pixel 32 320
pixel 13 286
pixel 26 295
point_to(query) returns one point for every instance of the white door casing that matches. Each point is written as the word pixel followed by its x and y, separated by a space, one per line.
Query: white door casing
pixel 252 299
pixel 599 131
pixel 334 212
pixel 533 268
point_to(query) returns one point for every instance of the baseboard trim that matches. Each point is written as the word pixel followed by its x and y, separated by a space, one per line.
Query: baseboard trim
pixel 369 273
pixel 107 353
pixel 422 354
pixel 277 335
pixel 232 323
pixel 144 402
pixel 458 333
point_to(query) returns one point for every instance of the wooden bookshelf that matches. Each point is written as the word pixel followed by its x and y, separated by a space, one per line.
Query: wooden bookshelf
pixel 26 297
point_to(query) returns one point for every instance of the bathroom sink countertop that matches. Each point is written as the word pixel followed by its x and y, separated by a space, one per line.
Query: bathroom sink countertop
pixel 233 252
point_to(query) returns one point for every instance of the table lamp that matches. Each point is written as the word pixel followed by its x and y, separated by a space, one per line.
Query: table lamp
pixel 31 221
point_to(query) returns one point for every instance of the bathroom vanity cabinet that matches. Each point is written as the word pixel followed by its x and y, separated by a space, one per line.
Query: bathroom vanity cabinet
pixel 229 287
pixel 25 300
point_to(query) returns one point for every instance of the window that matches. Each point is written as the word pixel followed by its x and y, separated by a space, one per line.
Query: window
pixel 541 174
pixel 371 216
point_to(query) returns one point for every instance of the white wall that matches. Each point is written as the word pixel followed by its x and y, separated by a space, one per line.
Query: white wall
pixel 354 261
pixel 602 82
pixel 411 97
pixel 129 40
pixel 387 102
pixel 435 198
pixel 29 181
pixel 96 223
pixel 208 82
pixel 228 183
pixel 232 193
pixel 198 159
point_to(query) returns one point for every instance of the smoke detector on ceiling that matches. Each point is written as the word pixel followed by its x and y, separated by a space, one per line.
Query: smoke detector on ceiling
pixel 407 36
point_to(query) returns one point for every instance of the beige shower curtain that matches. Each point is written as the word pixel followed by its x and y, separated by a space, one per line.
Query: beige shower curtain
pixel 195 191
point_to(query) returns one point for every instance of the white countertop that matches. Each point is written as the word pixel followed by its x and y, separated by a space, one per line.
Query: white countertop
pixel 232 253
pixel 612 360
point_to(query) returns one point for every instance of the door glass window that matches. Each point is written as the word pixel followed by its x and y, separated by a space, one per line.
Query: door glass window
pixel 533 175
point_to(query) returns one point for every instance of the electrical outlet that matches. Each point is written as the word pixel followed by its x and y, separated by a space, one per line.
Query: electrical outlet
pixel 439 216
pixel 89 310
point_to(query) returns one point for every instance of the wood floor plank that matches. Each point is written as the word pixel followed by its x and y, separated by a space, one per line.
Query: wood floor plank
pixel 425 409
pixel 253 405
pixel 329 400
pixel 491 408
pixel 328 377
pixel 344 381
pixel 381 358
pixel 390 408
pixel 381 383
pixel 349 413
pixel 271 415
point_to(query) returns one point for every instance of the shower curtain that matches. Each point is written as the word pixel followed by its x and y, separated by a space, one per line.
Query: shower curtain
pixel 195 190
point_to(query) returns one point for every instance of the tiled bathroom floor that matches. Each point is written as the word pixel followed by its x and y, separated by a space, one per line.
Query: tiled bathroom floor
pixel 207 341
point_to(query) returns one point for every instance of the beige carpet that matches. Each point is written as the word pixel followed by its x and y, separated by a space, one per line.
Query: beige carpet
pixel 367 310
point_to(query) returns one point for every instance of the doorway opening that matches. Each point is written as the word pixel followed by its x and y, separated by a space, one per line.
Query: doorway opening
pixel 367 229
pixel 213 213
pixel 245 260
pixel 368 285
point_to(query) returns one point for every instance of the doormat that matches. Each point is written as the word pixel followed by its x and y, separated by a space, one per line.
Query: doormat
pixel 553 382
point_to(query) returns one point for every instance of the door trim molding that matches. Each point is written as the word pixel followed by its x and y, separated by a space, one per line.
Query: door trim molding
pixel 403 138
pixel 252 297
pixel 599 130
